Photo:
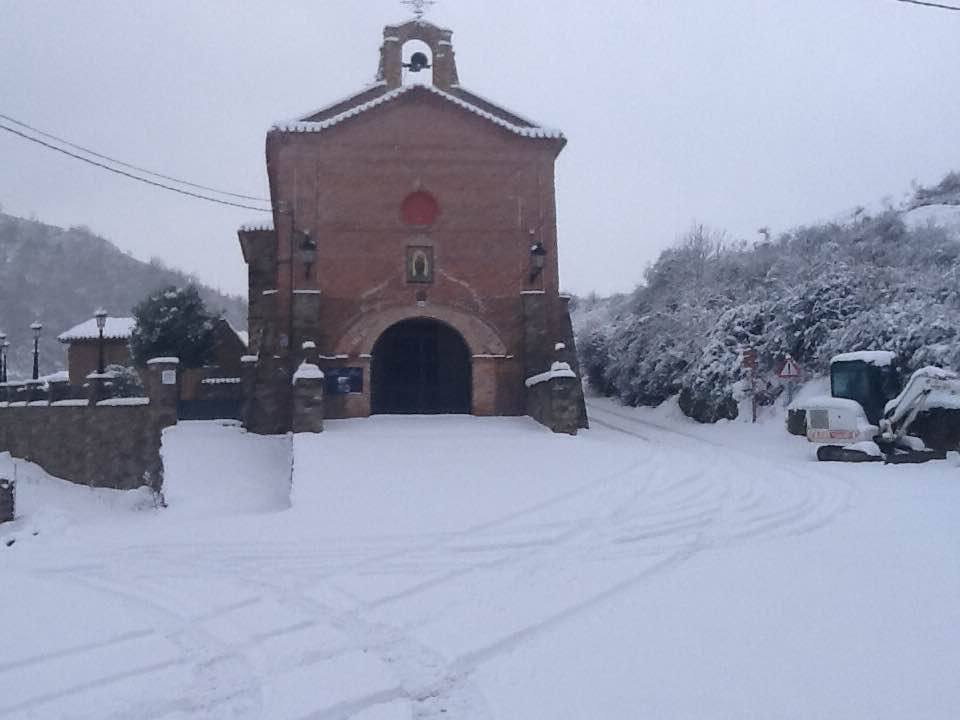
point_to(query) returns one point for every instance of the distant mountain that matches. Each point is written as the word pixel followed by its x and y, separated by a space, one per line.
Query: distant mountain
pixel 60 277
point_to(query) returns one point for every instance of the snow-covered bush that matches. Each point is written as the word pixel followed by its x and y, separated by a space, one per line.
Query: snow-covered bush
pixel 868 283
pixel 124 382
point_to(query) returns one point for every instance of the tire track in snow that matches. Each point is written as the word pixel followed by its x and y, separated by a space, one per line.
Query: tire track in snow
pixel 222 676
pixel 770 512
pixel 75 650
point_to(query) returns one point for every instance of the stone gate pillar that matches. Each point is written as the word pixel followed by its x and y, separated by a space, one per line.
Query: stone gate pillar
pixel 163 388
pixel 308 410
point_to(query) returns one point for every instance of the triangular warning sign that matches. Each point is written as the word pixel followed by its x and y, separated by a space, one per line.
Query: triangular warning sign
pixel 790 369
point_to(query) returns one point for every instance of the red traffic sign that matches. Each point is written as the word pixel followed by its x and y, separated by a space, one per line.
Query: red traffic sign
pixel 790 369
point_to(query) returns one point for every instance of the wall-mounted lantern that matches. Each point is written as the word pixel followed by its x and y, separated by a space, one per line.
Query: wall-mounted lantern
pixel 538 258
pixel 308 253
pixel 37 327
pixel 101 316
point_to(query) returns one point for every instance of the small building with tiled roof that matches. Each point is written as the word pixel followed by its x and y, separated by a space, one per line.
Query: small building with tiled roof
pixel 413 244
pixel 82 343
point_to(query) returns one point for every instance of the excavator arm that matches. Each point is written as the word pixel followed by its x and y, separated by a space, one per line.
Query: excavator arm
pixel 928 388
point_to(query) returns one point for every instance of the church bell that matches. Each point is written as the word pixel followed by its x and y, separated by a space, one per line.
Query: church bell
pixel 418 62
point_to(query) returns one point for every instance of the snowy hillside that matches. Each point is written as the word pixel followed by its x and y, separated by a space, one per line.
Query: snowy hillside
pixel 882 281
pixel 485 569
pixel 61 276
pixel 942 216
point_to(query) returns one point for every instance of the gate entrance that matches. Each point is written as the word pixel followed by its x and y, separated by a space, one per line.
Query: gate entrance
pixel 421 367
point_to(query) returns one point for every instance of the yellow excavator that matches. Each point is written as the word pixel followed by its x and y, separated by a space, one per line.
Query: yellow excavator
pixel 872 416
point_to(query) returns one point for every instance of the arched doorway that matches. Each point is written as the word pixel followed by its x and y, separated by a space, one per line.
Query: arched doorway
pixel 421 367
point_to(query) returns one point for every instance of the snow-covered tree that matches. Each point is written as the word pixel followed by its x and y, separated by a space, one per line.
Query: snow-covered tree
pixel 173 322
pixel 884 280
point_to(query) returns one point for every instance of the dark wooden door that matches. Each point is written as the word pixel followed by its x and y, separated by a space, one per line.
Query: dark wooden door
pixel 421 367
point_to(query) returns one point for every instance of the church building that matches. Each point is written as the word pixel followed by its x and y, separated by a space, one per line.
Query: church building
pixel 413 252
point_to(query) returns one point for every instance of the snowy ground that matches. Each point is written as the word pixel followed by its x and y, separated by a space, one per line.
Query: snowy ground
pixel 484 568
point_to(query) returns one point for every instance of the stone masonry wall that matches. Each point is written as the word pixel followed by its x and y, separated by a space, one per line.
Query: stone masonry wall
pixel 556 404
pixel 107 443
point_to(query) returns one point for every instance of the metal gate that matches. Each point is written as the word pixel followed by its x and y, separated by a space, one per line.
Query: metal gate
pixel 210 409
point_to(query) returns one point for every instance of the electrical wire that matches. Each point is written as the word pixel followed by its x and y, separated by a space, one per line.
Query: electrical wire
pixel 926 3
pixel 115 161
pixel 147 181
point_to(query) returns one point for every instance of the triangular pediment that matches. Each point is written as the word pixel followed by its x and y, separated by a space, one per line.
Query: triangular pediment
pixel 377 96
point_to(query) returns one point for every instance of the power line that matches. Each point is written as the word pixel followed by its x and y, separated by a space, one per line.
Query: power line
pixel 925 3
pixel 88 151
pixel 147 181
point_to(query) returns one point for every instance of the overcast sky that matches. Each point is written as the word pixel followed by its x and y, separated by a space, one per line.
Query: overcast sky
pixel 739 114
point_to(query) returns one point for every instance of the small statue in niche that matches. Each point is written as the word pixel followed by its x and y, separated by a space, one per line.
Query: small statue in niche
pixel 420 264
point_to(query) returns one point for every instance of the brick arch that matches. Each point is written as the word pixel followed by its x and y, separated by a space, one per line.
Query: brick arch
pixel 363 334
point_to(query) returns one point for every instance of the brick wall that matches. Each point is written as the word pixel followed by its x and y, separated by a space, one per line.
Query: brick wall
pixel 345 187
pixel 82 358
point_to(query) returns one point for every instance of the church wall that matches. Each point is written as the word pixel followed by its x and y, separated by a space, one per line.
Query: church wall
pixel 347 185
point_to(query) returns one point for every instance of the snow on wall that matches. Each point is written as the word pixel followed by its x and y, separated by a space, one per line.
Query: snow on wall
pixel 307 371
pixel 257 226
pixel 557 370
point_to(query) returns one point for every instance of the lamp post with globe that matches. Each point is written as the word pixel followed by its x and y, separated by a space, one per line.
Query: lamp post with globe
pixel 37 327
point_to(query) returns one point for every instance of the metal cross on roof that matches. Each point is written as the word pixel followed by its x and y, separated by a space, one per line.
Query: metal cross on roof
pixel 420 7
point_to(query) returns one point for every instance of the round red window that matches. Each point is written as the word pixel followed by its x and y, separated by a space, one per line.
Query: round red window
pixel 420 208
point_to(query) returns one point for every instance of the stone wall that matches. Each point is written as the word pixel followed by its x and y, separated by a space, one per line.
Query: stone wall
pixel 109 443
pixel 7 500
pixel 555 403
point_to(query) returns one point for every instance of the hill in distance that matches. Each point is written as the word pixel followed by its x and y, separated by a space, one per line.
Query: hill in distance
pixel 60 277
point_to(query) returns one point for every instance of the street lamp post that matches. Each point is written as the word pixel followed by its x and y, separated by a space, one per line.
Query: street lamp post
pixel 101 316
pixel 3 357
pixel 36 327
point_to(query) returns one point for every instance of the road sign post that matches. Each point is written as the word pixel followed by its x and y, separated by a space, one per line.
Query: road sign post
pixel 791 372
pixel 748 359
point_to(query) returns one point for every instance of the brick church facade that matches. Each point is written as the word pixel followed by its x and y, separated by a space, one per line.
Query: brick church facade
pixel 413 251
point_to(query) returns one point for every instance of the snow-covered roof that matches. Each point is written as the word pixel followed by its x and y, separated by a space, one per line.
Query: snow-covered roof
pixel 257 226
pixel 116 329
pixel 827 402
pixel 487 100
pixel 305 126
pixel 346 98
pixel 879 358
pixel 418 21
pixel 243 335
